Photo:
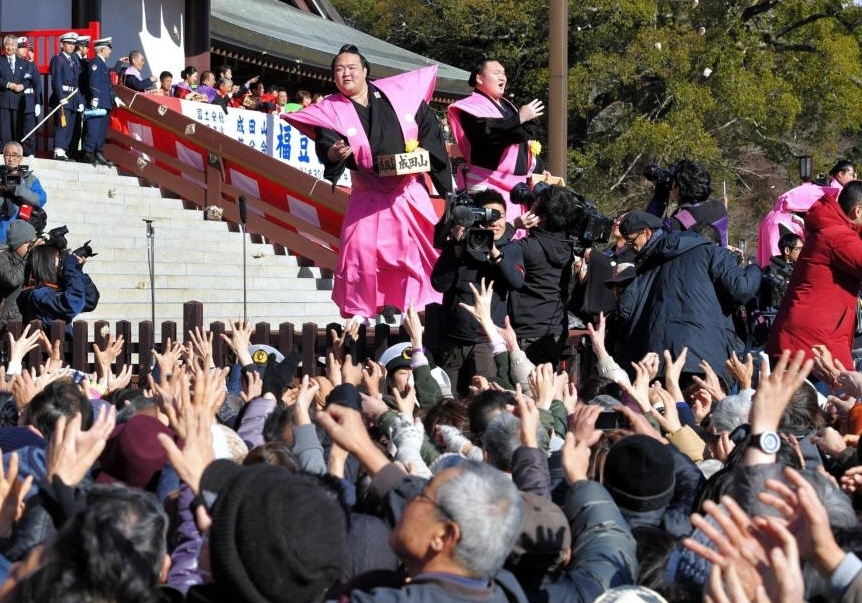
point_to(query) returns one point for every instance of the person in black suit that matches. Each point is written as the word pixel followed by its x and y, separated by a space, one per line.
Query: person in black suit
pixel 11 90
pixel 32 105
pixel 99 96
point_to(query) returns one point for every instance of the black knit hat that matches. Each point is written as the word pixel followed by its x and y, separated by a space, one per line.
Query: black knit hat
pixel 639 473
pixel 276 536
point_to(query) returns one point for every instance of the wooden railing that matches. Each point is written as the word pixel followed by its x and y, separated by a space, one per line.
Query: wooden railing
pixel 310 339
pixel 208 183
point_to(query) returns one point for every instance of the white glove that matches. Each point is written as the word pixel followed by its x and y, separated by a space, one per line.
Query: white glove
pixel 407 439
pixel 80 108
pixel 94 103
pixel 453 439
pixel 38 110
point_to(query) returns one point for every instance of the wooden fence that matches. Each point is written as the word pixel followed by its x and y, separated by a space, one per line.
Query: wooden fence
pixel 310 339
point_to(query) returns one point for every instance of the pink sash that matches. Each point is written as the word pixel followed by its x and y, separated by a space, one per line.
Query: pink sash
pixel 336 112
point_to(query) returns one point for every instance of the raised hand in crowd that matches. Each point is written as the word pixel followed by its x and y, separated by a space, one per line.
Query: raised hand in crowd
pixel 543 385
pixel 638 390
pixel 343 344
pixel 651 363
pixel 304 399
pixel 372 376
pixel 481 308
pixel 741 371
pixel 672 372
pixel 12 494
pixel 413 326
pixel 347 429
pixel 406 403
pixel 106 356
pixel 806 518
pixel 239 340
pixel 710 382
pixel 18 348
pixel 528 412
pixel 192 416
pixel 252 386
pixel 202 345
pixel 168 361
pixel 824 367
pixel 72 452
pixel 664 407
pixel 772 397
pixel 25 386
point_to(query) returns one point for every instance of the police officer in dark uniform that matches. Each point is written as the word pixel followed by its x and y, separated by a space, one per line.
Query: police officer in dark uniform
pixel 82 48
pixel 32 107
pixel 99 97
pixel 64 86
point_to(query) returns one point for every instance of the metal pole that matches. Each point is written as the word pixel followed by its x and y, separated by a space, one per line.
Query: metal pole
pixel 54 110
pixel 558 87
pixel 243 217
pixel 151 261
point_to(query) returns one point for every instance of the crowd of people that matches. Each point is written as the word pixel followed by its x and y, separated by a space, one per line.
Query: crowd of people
pixel 670 466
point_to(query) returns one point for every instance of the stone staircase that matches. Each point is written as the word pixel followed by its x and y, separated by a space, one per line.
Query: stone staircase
pixel 195 259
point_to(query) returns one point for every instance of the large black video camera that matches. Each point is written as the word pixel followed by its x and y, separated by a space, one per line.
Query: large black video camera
pixel 10 179
pixel 663 180
pixel 461 210
pixel 587 228
pixel 590 227
pixel 56 238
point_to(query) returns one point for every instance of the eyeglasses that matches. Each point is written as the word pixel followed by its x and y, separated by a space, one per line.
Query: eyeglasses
pixel 424 497
pixel 632 238
pixel 9 155
pixel 797 248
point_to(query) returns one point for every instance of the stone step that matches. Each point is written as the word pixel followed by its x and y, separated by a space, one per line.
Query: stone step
pixel 194 258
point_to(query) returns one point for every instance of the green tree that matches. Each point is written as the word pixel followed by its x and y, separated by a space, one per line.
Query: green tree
pixel 743 87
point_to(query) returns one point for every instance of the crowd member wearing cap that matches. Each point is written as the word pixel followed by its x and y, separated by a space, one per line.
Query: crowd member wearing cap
pixel 538 309
pixel 21 193
pixel 99 95
pixel 65 80
pixel 690 186
pixel 19 238
pixel 31 107
pixel 12 85
pixel 464 350
pixel 683 295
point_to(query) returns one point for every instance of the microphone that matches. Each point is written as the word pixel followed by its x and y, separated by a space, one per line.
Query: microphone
pixel 462 215
pixel 242 212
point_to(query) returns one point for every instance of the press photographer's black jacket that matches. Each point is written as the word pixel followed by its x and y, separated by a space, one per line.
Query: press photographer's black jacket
pixel 453 275
pixel 539 307
pixel 47 303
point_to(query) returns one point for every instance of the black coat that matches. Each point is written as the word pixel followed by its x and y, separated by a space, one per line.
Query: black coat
pixel 539 307
pixel 452 276
pixel 683 295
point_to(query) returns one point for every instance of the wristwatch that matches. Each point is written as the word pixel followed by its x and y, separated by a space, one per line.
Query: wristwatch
pixel 768 441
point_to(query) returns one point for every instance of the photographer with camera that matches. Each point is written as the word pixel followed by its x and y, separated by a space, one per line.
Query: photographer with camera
pixel 690 185
pixel 478 248
pixel 22 194
pixel 56 286
pixel 20 238
pixel 538 309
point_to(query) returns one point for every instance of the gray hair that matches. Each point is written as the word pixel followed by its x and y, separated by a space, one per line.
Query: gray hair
pixel 488 509
pixel 731 412
pixel 501 439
